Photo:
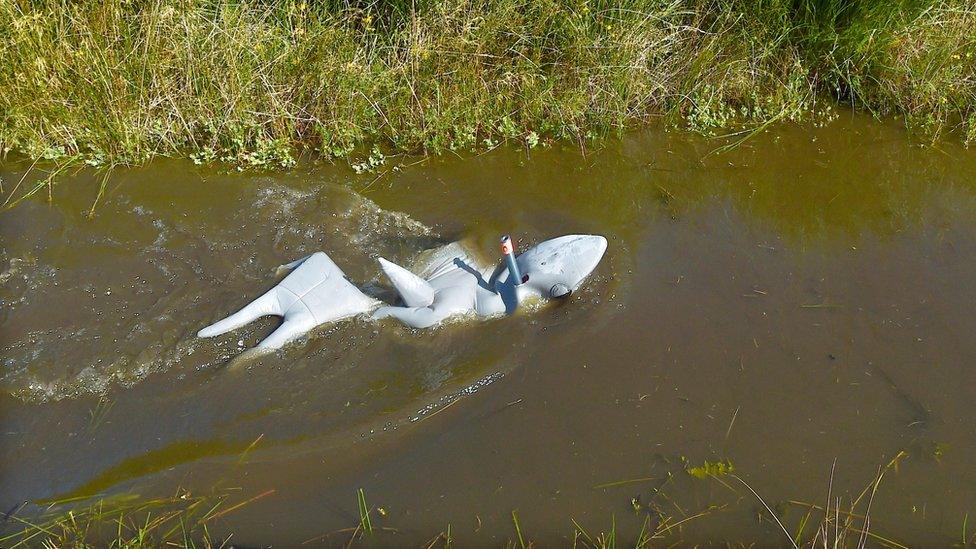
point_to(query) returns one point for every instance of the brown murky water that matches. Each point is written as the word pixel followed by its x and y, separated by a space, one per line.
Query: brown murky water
pixel 803 300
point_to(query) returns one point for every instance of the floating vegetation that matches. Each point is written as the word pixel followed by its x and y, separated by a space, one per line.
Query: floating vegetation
pixel 711 469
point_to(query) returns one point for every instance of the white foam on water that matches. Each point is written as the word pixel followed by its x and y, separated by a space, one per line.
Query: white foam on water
pixel 449 399
pixel 131 327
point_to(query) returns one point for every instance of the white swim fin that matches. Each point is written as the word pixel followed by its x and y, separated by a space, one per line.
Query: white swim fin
pixel 314 293
pixel 415 291
pixel 267 304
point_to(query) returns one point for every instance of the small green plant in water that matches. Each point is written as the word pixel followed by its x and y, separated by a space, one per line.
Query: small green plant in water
pixel 364 523
pixel 375 160
pixel 518 529
pixel 712 469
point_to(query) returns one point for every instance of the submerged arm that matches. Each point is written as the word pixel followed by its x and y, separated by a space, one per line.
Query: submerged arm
pixel 415 317
pixel 289 266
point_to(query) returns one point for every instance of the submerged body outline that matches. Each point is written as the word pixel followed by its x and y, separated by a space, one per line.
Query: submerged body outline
pixel 316 291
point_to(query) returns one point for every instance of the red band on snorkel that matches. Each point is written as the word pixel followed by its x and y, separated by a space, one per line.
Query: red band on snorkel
pixel 507 247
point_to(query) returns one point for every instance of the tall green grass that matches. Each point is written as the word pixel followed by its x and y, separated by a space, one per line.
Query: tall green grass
pixel 123 522
pixel 257 82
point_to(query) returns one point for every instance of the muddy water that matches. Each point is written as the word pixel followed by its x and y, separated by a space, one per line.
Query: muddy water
pixel 800 301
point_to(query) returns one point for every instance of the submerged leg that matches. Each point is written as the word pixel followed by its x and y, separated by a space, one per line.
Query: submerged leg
pixel 267 304
pixel 314 293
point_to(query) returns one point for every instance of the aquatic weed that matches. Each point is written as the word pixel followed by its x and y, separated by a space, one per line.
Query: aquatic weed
pixel 714 469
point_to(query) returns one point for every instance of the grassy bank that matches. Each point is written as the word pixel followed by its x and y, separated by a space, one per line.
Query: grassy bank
pixel 258 82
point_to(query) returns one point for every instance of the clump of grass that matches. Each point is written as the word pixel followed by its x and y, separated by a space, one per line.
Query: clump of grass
pixel 365 529
pixel 126 522
pixel 844 525
pixel 841 524
pixel 257 83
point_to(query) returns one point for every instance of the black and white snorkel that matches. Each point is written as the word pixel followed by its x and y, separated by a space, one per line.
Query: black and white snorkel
pixel 508 250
